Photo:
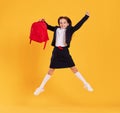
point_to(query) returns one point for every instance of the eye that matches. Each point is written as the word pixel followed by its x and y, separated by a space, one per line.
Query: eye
pixel 60 22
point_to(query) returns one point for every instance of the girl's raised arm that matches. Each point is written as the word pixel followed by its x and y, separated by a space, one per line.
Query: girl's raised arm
pixel 80 23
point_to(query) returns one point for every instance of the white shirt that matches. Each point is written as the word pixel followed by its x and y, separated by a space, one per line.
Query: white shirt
pixel 60 37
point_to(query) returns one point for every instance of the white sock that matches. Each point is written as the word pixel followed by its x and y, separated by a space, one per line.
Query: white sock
pixel 45 80
pixel 86 84
pixel 78 74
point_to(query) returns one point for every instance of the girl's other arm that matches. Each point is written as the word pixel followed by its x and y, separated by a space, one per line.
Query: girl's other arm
pixel 48 26
pixel 80 23
pixel 52 28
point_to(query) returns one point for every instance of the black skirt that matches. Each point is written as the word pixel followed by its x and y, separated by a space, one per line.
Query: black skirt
pixel 61 58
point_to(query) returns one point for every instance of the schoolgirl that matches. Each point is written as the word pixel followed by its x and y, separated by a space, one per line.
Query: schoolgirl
pixel 61 57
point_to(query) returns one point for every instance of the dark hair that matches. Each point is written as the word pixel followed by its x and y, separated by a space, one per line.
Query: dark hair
pixel 66 18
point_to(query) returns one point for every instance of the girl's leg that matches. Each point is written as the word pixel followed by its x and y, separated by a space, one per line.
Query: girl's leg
pixel 79 75
pixel 45 80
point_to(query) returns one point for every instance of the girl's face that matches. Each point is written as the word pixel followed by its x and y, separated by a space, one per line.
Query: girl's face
pixel 63 23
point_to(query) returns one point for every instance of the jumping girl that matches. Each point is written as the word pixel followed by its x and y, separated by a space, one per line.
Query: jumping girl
pixel 61 57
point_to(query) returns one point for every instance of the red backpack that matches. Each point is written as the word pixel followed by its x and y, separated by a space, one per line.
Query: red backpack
pixel 39 33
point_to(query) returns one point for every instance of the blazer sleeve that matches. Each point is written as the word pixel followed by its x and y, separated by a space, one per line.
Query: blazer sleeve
pixel 52 28
pixel 80 23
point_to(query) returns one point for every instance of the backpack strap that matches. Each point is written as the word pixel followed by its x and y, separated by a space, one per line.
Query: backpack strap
pixel 30 41
pixel 45 44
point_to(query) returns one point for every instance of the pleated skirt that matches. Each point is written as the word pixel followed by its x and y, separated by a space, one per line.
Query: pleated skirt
pixel 61 58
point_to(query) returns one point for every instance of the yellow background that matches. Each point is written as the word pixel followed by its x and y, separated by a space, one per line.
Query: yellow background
pixel 95 49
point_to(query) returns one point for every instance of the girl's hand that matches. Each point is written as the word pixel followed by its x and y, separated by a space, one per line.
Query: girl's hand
pixel 87 13
pixel 42 19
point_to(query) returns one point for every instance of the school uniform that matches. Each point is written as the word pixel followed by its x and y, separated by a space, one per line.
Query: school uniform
pixel 61 57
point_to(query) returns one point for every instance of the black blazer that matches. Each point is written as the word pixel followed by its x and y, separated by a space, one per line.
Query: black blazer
pixel 69 30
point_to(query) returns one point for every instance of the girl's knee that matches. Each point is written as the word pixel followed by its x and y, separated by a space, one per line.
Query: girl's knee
pixel 50 72
pixel 74 69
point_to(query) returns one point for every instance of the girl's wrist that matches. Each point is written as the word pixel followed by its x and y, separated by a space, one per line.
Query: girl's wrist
pixel 87 13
